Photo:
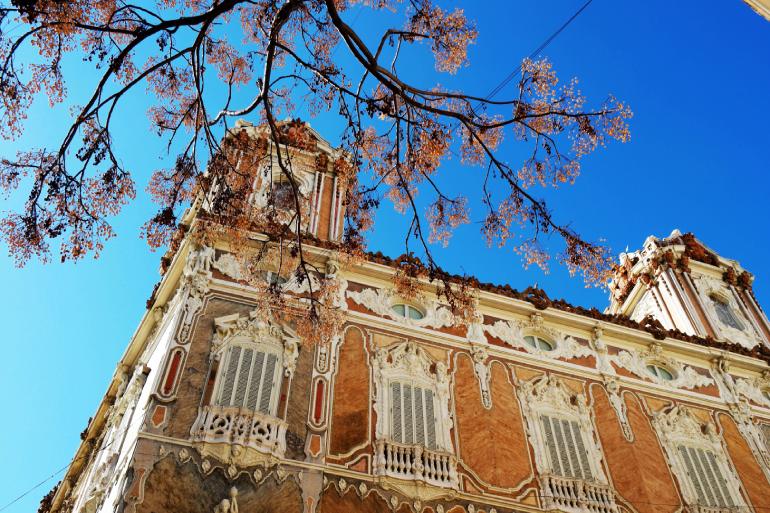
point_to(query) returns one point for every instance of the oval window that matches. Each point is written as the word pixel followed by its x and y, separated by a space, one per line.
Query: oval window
pixel 538 343
pixel 408 311
pixel 660 372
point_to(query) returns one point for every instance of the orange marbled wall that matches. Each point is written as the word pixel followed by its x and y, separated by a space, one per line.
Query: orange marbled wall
pixel 492 442
pixel 639 470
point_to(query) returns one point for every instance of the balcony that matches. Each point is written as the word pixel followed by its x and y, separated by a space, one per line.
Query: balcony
pixel 415 463
pixel 577 495
pixel 238 426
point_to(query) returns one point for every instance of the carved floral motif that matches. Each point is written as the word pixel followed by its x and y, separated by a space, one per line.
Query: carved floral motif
pixel 380 301
pixel 513 333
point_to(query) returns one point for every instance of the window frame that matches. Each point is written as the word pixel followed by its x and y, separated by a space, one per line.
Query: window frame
pixel 226 353
pixel 654 369
pixel 725 312
pixel 408 307
pixel 538 342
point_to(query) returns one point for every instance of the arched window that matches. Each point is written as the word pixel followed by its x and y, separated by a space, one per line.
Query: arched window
pixel 538 343
pixel 725 313
pixel 249 378
pixel 408 311
pixel 660 372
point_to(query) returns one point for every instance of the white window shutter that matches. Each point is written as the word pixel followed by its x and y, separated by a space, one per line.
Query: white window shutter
pixel 550 442
pixel 268 384
pixel 408 414
pixel 430 415
pixel 243 378
pixel 231 371
pixel 256 380
pixel 585 466
pixel 419 415
pixel 395 397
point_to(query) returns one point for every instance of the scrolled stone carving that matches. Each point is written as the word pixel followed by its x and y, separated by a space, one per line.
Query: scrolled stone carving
pixel 684 376
pixel 380 301
pixel 229 265
pixel 619 405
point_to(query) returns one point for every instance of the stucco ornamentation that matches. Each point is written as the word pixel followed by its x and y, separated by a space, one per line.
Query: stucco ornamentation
pixel 380 301
pixel 255 328
pixel 684 376
pixel 229 265
pixel 513 332
pixel 480 357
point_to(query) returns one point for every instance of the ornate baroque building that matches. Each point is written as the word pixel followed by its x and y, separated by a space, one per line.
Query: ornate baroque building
pixel 660 404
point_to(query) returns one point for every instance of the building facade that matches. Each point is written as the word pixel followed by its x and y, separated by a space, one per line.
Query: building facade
pixel 659 404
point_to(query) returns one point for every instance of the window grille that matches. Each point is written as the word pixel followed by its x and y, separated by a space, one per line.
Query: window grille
pixel 566 448
pixel 249 380
pixel 413 418
pixel 706 477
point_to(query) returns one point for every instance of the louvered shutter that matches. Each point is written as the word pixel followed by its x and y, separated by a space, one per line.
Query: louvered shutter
pixel 692 474
pixel 419 415
pixel 550 442
pixel 585 466
pixel 430 415
pixel 242 382
pixel 408 414
pixel 268 384
pixel 255 382
pixel 231 371
pixel 396 427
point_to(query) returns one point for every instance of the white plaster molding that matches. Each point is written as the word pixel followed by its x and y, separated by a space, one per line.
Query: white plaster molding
pixel 678 427
pixel 380 302
pixel 619 405
pixel 603 364
pixel 637 362
pixel 513 332
pixel 481 368
pixel 266 334
pixel 196 277
pixel 707 287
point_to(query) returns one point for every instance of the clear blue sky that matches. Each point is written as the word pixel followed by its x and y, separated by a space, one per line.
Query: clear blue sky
pixel 697 75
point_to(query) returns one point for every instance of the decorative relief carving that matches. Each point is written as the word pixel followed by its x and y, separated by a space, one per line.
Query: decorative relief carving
pixel 195 284
pixel 684 376
pixel 380 302
pixel 229 505
pixel 752 389
pixel 228 265
pixel 513 333
pixel 678 428
pixel 480 356
pixel 709 287
pixel 619 405
pixel 603 364
pixel 258 330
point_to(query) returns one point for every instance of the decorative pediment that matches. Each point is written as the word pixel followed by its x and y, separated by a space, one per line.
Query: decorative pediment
pixel 265 333
pixel 550 393
pixel 380 301
pixel 680 425
pixel 513 332
pixel 683 376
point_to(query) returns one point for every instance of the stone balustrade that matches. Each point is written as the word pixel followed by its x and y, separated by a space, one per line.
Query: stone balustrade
pixel 577 495
pixel 415 462
pixel 232 425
